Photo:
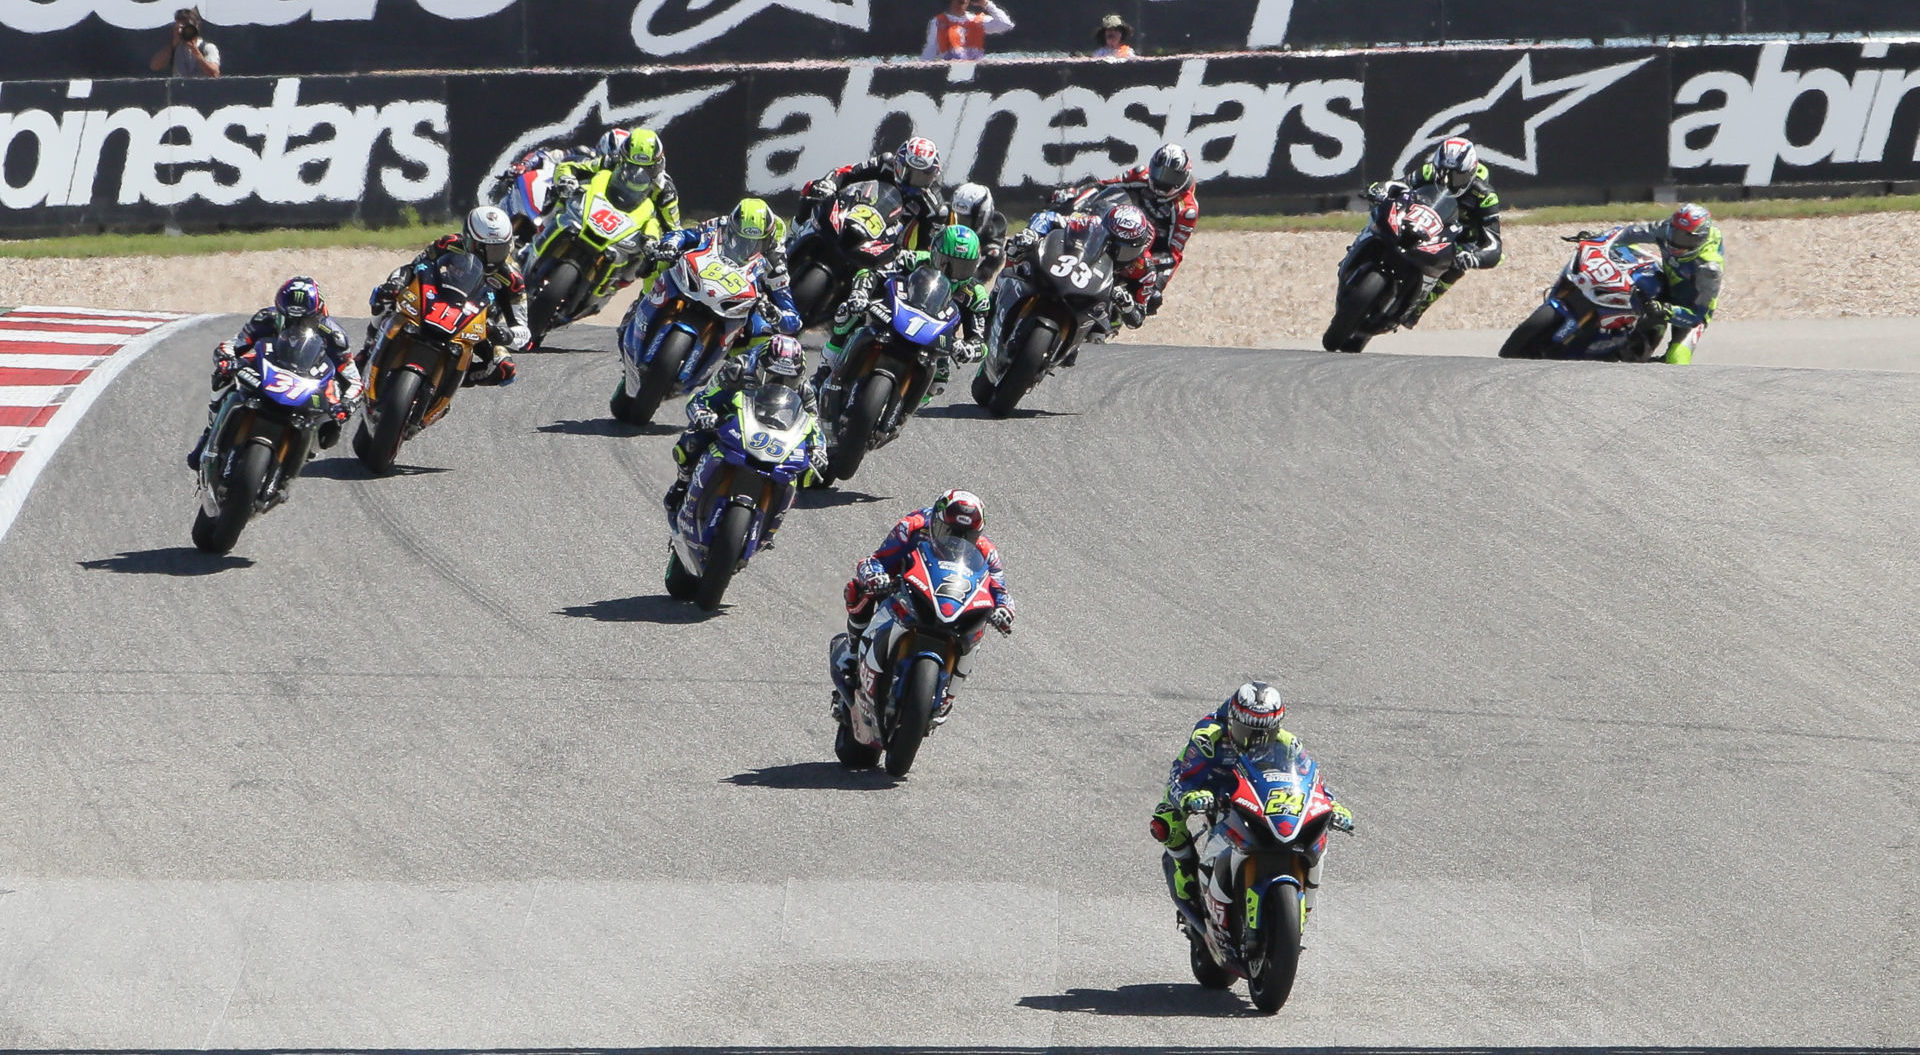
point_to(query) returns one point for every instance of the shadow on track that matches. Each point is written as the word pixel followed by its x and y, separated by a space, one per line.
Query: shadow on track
pixel 606 427
pixel 822 498
pixel 973 412
pixel 814 776
pixel 171 560
pixel 657 608
pixel 351 469
pixel 1163 999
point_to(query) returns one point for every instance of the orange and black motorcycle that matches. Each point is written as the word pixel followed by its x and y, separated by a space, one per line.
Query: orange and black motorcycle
pixel 435 332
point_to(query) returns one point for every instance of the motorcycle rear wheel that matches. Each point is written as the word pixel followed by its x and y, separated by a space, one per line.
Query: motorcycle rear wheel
pixel 551 299
pixel 1029 358
pixel 729 541
pixel 852 753
pixel 381 448
pixel 681 583
pixel 219 534
pixel 1210 975
pixel 1350 307
pixel 915 715
pixel 661 377
pixel 1530 339
pixel 1274 983
pixel 850 440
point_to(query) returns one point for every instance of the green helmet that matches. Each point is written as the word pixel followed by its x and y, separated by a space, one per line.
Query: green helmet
pixel 644 156
pixel 956 252
pixel 752 218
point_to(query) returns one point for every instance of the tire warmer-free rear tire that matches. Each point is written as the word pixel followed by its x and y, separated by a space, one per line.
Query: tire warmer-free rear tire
pixel 914 716
pixel 850 440
pixel 681 583
pixel 729 541
pixel 1210 975
pixel 852 753
pixel 1532 338
pixel 219 534
pixel 1351 304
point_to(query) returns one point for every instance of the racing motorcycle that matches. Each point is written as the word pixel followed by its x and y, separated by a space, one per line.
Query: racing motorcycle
pixel 1254 852
pixel 1595 309
pixel 420 358
pixel 262 435
pixel 887 366
pixel 674 338
pixel 744 482
pixel 1408 243
pixel 1042 310
pixel 859 228
pixel 521 191
pixel 582 255
pixel 922 636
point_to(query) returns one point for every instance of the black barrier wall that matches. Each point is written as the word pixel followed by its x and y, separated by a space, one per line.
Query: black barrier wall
pixel 254 152
pixel 116 38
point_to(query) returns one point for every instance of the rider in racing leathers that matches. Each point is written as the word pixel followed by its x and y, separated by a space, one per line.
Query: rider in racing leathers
pixel 1163 189
pixel 488 235
pixel 1455 168
pixel 956 254
pixel 755 229
pixel 780 360
pixel 1693 264
pixel 972 206
pixel 298 303
pixel 955 514
pixel 914 168
pixel 1249 720
pixel 1128 234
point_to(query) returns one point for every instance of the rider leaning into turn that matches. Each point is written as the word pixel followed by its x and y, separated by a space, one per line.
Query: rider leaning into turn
pixel 1163 188
pixel 756 230
pixel 1454 167
pixel 488 235
pixel 955 514
pixel 638 160
pixel 781 361
pixel 298 303
pixel 914 168
pixel 1248 721
pixel 1129 233
pixel 956 254
pixel 1693 264
pixel 972 207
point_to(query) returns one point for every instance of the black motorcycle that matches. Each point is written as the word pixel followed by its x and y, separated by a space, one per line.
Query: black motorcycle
pixel 1409 242
pixel 887 366
pixel 1042 310
pixel 859 228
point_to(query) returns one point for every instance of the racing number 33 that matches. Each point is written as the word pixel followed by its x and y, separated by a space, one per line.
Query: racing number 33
pixel 1079 269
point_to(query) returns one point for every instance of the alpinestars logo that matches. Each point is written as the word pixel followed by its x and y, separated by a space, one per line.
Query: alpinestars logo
pixel 855 14
pixel 593 115
pixel 1516 99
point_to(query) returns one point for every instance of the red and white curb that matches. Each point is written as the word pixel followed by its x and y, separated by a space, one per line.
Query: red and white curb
pixel 54 362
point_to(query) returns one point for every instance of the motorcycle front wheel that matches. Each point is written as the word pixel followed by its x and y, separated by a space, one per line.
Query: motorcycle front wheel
pixel 551 299
pixel 219 534
pixel 1273 983
pixel 1350 307
pixel 1029 358
pixel 1532 338
pixel 729 541
pixel 850 440
pixel 915 715
pixel 812 293
pixel 379 447
pixel 661 378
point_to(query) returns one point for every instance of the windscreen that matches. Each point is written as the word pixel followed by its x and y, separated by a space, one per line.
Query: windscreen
pixel 1279 760
pixel 957 551
pixel 777 407
pixel 927 290
pixel 460 273
pixel 736 247
pixel 299 349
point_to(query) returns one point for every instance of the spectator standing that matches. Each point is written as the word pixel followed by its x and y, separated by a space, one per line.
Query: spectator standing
pixel 959 34
pixel 189 53
pixel 1115 38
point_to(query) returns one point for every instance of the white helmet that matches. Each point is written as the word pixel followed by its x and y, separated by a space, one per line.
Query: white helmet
pixel 971 206
pixel 1253 715
pixel 1454 162
pixel 490 234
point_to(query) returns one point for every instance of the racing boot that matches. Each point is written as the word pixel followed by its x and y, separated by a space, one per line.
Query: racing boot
pixel 677 493
pixel 199 448
pixel 942 373
pixel 1412 318
pixel 1186 883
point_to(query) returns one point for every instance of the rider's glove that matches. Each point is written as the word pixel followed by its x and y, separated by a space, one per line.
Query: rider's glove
pixel 340 412
pixel 817 458
pixel 1342 819
pixel 1001 619
pixel 566 183
pixel 965 352
pixel 1465 259
pixel 380 301
pixel 1385 189
pixel 224 365
pixel 1660 309
pixel 1200 801
pixel 701 417
pixel 852 307
pixel 872 575
pixel 820 189
pixel 1021 244
pixel 504 370
pixel 1063 197
pixel 880 313
pixel 1583 236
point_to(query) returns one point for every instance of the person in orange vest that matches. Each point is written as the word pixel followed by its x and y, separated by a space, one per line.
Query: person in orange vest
pixel 960 32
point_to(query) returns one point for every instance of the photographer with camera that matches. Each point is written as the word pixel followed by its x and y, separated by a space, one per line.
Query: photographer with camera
pixel 189 53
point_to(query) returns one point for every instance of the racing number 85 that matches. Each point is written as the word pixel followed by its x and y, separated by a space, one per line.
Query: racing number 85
pixel 729 279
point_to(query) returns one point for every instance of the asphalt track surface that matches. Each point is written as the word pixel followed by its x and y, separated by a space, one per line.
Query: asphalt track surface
pixel 1615 665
